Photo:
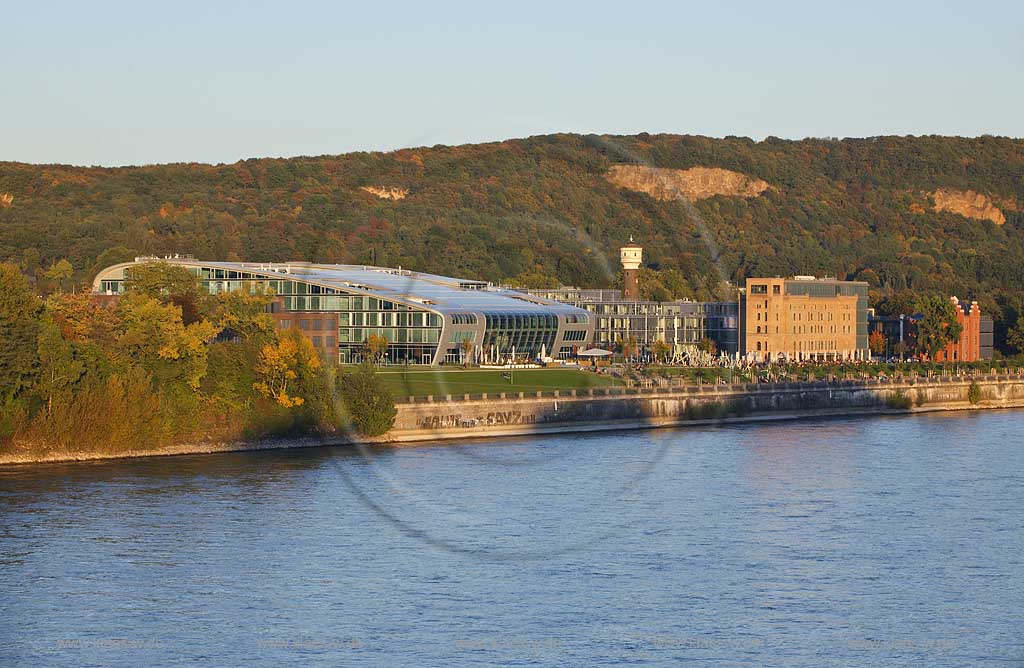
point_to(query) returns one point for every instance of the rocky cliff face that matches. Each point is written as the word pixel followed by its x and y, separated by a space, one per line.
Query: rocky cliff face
pixel 692 184
pixel 6 200
pixel 386 193
pixel 968 204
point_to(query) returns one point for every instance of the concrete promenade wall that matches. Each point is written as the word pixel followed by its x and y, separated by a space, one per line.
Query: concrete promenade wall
pixel 467 416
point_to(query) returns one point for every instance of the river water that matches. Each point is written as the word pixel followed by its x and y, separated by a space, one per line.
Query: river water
pixel 863 542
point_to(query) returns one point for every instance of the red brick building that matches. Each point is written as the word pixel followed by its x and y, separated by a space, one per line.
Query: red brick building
pixel 968 348
pixel 320 327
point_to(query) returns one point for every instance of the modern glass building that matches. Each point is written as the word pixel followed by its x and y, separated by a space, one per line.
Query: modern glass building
pixel 681 324
pixel 424 317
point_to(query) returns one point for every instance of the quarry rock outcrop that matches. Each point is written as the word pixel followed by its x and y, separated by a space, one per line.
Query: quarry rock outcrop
pixel 386 193
pixel 693 184
pixel 968 204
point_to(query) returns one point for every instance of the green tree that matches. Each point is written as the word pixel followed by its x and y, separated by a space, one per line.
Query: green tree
pixel 534 280
pixel 60 369
pixel 243 314
pixel 368 401
pixel 153 335
pixel 938 325
pixel 1015 336
pixel 60 271
pixel 19 329
pixel 170 283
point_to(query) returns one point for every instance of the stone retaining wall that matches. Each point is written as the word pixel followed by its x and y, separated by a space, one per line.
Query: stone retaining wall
pixel 618 408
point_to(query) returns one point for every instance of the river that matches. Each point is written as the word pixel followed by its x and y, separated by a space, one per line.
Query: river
pixel 844 542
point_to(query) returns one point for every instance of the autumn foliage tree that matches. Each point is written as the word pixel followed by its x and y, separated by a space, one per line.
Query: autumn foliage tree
pixel 708 346
pixel 627 346
pixel 86 375
pixel 282 364
pixel 877 343
pixel 375 347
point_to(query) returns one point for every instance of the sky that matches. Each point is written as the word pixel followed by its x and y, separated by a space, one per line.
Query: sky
pixel 122 83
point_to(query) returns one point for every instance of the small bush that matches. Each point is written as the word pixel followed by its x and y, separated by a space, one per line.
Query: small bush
pixel 369 402
pixel 974 393
pixel 899 400
pixel 920 401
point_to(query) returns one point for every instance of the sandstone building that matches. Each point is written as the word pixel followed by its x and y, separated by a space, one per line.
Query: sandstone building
pixel 804 318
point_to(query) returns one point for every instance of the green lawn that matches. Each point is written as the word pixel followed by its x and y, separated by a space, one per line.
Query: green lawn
pixel 477 381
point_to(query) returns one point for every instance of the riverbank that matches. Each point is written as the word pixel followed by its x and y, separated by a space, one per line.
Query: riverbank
pixel 609 409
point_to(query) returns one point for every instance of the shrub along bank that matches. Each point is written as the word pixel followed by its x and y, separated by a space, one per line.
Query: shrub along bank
pixel 165 363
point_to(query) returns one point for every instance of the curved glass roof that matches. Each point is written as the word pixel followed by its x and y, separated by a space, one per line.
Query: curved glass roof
pixel 439 293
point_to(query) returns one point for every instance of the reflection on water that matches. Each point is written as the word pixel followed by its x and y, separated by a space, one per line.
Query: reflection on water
pixel 875 542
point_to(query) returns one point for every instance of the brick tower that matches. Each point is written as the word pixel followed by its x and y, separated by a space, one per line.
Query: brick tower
pixel 631 256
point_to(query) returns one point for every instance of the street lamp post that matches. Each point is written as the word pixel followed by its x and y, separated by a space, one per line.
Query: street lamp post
pixel 902 347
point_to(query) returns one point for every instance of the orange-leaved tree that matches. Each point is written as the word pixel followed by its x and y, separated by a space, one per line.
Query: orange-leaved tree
pixel 280 365
pixel 876 342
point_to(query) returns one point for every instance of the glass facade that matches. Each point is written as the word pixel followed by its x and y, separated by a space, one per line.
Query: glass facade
pixel 425 318
pixel 519 333
pixel 677 323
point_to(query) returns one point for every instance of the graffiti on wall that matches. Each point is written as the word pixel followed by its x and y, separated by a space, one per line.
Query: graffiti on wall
pixel 496 418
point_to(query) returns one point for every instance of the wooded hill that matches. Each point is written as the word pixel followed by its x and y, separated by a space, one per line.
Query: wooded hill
pixel 545 210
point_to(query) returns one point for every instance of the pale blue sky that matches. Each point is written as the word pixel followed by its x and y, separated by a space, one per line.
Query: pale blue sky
pixel 114 83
